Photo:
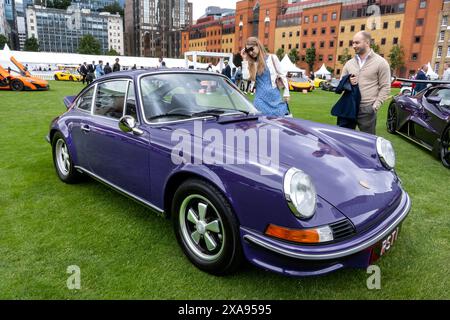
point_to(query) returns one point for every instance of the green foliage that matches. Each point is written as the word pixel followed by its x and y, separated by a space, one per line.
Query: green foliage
pixel 31 44
pixel 346 56
pixel 375 47
pixel 114 8
pixel 59 4
pixel 311 58
pixel 3 41
pixel 89 45
pixel 112 52
pixel 280 53
pixel 397 58
pixel 293 55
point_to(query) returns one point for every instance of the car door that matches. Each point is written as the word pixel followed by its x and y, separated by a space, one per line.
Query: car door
pixel 119 158
pixel 433 116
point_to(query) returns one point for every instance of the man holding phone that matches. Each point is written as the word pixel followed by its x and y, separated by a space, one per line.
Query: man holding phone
pixel 372 74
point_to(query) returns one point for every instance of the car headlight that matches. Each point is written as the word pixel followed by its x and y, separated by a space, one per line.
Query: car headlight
pixel 386 152
pixel 300 193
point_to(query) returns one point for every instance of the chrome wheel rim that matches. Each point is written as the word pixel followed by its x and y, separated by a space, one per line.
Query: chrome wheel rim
pixel 392 119
pixel 62 157
pixel 201 227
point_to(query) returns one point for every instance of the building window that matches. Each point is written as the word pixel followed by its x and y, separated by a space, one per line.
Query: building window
pixel 324 31
pixel 439 52
pixel 423 4
pixel 417 39
pixel 305 32
pixel 283 35
pixel 306 19
pixel 282 46
pixel 315 18
pixel 352 29
pixel 342 29
pixel 444 20
pixel 448 52
pixel 436 67
pixel 320 57
pixel 331 44
pixel 267 12
pixel 324 17
pixel 304 45
pixel 341 43
pixel 333 30
pixel 415 56
pixel 298 33
pixel 385 25
pixel 290 34
pixel 314 32
pixel 383 41
pixel 296 46
pixel 322 44
pixel 398 24
pixel 363 27
pixel 442 36
pixel 290 46
pixel 350 43
pixel 330 57
pixel 395 41
pixel 313 44
pixel 419 22
pixel 334 16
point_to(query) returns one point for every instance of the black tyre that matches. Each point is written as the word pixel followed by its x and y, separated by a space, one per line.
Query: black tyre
pixel 55 77
pixel 71 78
pixel 392 119
pixel 445 148
pixel 206 227
pixel 321 85
pixel 16 85
pixel 63 160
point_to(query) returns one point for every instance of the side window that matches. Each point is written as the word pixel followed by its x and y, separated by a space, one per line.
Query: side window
pixel 130 107
pixel 445 95
pixel 110 99
pixel 85 101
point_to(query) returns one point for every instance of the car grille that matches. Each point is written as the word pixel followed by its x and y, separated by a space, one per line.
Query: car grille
pixel 342 229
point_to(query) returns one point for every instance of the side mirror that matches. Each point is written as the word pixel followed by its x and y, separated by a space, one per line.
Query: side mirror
pixel 128 124
pixel 434 100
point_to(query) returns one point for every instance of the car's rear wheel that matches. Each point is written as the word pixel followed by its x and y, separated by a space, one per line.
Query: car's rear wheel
pixel 63 160
pixel 392 119
pixel 71 78
pixel 206 227
pixel 16 85
pixel 445 148
pixel 55 77
pixel 321 85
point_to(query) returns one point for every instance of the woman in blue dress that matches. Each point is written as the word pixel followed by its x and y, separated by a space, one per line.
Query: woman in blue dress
pixel 265 69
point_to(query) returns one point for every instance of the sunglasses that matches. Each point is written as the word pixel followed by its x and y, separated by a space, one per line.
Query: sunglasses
pixel 248 50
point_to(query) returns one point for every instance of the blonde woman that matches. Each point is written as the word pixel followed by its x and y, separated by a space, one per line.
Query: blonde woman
pixel 264 70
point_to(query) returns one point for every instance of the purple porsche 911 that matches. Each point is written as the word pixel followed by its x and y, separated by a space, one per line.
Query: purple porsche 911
pixel 288 195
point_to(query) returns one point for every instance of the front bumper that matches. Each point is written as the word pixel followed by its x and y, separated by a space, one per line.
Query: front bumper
pixel 284 257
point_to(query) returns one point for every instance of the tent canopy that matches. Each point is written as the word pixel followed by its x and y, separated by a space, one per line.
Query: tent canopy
pixel 288 66
pixel 431 74
pixel 323 71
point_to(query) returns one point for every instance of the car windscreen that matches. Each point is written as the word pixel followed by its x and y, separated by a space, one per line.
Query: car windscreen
pixel 295 79
pixel 174 96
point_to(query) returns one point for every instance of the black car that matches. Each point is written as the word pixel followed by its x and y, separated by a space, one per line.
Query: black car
pixel 424 119
pixel 330 85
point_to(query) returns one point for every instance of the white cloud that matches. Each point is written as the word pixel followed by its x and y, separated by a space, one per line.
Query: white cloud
pixel 201 5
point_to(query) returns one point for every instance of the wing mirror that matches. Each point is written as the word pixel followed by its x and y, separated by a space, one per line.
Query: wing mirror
pixel 128 124
pixel 434 100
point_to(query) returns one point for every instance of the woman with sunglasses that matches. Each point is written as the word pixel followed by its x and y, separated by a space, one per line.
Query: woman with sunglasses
pixel 266 71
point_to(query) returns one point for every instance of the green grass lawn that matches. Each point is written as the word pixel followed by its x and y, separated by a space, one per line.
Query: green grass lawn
pixel 126 251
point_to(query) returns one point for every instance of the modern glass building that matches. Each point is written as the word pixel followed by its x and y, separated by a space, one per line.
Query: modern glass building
pixel 61 30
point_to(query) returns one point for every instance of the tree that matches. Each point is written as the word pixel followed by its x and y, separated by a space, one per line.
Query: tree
pixel 330 70
pixel 280 53
pixel 112 52
pixel 311 58
pixel 89 45
pixel 346 56
pixel 293 55
pixel 114 8
pixel 58 4
pixel 397 57
pixel 375 47
pixel 237 60
pixel 31 44
pixel 3 41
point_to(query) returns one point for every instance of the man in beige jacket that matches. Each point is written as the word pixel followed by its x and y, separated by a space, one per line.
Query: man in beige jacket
pixel 373 75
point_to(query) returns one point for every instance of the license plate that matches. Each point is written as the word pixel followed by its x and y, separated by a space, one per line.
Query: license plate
pixel 383 247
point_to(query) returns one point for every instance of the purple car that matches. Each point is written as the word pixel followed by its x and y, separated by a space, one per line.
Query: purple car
pixel 291 196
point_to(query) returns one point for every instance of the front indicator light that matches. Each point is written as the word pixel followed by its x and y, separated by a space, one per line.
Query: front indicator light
pixel 316 235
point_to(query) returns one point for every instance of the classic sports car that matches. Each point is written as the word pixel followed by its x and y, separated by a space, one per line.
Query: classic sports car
pixel 20 80
pixel 67 75
pixel 318 82
pixel 300 84
pixel 424 119
pixel 330 85
pixel 189 144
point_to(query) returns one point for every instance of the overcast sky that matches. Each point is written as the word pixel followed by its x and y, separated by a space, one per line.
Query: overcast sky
pixel 201 5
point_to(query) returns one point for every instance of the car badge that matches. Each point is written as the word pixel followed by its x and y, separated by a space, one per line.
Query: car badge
pixel 364 184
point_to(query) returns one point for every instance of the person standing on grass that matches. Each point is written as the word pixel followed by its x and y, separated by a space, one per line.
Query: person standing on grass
pixel 265 69
pixel 372 74
pixel 116 66
pixel 99 69
pixel 83 72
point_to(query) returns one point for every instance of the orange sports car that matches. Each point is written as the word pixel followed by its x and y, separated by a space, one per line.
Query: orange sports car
pixel 18 81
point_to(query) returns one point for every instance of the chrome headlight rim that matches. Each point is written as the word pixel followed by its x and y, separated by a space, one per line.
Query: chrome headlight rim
pixel 288 193
pixel 387 160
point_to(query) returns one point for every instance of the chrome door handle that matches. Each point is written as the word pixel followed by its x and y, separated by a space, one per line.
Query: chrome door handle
pixel 85 128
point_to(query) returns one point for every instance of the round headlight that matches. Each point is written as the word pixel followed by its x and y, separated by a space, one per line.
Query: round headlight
pixel 300 193
pixel 386 153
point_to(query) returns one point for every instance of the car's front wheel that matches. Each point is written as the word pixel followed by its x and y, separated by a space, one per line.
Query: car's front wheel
pixel 55 77
pixel 16 85
pixel 392 119
pixel 206 228
pixel 445 148
pixel 63 160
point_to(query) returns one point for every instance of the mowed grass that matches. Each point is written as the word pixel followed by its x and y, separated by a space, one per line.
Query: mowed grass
pixel 126 251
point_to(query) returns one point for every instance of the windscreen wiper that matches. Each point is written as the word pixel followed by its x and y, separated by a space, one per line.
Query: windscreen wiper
pixel 217 112
pixel 169 115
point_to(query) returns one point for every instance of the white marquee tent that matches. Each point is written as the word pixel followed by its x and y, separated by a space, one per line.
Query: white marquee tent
pixel 323 72
pixel 288 66
pixel 431 74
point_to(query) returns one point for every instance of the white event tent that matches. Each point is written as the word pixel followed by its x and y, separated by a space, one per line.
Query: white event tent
pixel 288 66
pixel 323 72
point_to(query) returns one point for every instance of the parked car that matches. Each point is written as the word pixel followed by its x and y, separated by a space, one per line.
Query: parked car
pixel 424 119
pixel 67 75
pixel 333 199
pixel 318 82
pixel 300 84
pixel 330 85
pixel 21 79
